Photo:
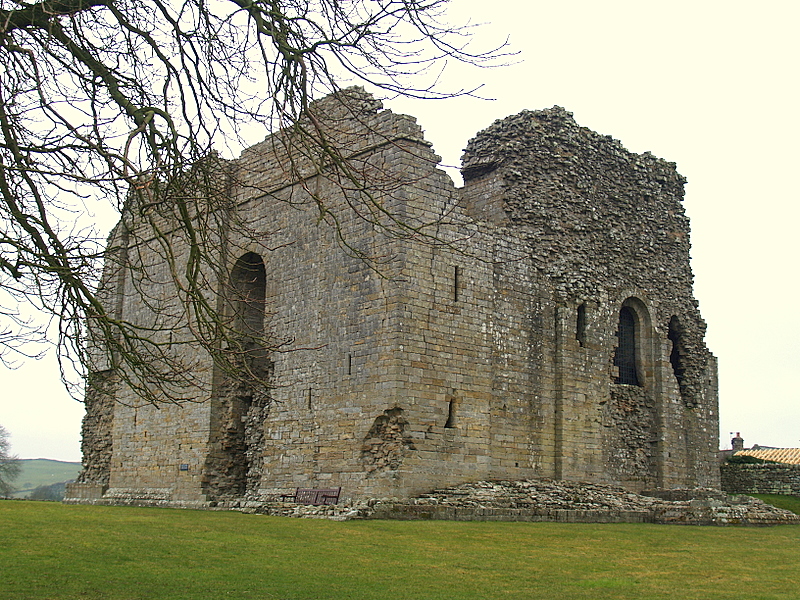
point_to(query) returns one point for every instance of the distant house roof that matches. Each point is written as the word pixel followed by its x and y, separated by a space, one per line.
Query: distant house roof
pixel 782 455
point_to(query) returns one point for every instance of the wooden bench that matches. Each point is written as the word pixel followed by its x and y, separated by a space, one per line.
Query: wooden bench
pixel 314 496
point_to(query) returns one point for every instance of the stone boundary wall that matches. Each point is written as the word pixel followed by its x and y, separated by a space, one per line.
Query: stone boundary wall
pixel 412 512
pixel 761 479
pixel 696 512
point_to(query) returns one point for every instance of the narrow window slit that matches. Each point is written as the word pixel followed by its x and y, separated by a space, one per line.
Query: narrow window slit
pixel 580 326
pixel 451 411
pixel 677 354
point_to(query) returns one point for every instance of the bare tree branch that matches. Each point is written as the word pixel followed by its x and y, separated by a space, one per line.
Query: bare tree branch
pixel 123 101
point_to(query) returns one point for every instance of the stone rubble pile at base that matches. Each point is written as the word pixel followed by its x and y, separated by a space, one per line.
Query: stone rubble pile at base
pixel 547 500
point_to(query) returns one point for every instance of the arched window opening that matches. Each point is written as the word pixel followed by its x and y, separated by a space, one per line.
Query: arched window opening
pixel 248 287
pixel 241 397
pixel 580 326
pixel 625 356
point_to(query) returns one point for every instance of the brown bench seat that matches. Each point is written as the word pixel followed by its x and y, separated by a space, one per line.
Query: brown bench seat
pixel 314 496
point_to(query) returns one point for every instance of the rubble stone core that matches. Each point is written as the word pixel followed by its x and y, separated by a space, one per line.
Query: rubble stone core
pixel 481 344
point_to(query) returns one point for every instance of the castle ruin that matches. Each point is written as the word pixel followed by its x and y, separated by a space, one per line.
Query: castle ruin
pixel 537 322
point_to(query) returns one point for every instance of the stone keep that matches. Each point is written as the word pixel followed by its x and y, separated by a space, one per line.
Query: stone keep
pixel 536 322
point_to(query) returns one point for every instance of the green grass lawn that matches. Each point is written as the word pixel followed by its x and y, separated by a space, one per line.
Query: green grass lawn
pixel 51 551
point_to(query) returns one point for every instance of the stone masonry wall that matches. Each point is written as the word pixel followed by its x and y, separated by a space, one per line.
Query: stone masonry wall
pixel 344 386
pixel 96 439
pixel 600 228
pixel 598 219
pixel 760 479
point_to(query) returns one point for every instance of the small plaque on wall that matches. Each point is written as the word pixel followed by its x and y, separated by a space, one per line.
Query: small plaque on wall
pixel 183 467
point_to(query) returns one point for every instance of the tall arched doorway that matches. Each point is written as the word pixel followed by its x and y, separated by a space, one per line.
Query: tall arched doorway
pixel 631 413
pixel 241 398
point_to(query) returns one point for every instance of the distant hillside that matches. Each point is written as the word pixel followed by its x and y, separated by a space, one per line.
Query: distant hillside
pixel 37 472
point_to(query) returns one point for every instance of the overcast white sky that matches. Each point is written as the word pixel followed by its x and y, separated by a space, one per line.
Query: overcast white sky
pixel 711 85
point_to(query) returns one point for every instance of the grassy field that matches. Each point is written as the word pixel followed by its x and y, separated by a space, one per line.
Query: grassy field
pixel 51 551
pixel 42 471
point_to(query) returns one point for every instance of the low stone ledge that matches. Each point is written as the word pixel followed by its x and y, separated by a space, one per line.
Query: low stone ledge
pixel 539 500
pixel 574 502
pixel 412 512
pixel 77 492
pixel 102 495
pixel 148 494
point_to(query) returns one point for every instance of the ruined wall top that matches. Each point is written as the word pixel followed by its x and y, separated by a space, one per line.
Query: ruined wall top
pixel 337 133
pixel 584 202
pixel 599 222
pixel 547 143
